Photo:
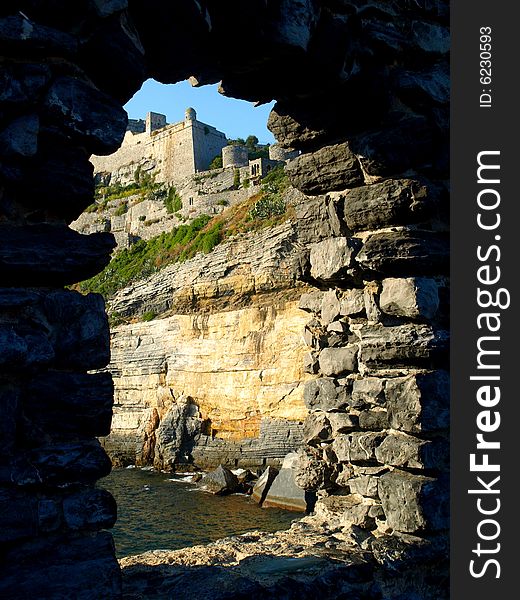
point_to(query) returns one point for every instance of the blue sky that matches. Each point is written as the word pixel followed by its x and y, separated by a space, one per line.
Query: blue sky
pixel 236 118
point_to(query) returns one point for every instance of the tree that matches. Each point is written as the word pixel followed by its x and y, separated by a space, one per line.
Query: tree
pixel 251 142
pixel 216 163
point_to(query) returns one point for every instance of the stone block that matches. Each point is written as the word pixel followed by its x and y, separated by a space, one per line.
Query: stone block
pixel 284 493
pixel 332 258
pixel 414 503
pixel 80 330
pixel 18 515
pixel 345 511
pixel 400 344
pixel 325 394
pixel 22 350
pixel 329 307
pixel 370 295
pixel 373 419
pixel 311 301
pixel 317 428
pixel 60 177
pixel 60 463
pixel 330 168
pixel 50 255
pixel 411 297
pixel 396 147
pixel 263 484
pixel 420 402
pixel 405 253
pixel 18 35
pixel 96 119
pixel 402 450
pixel 369 390
pixel 389 203
pixel 365 485
pixel 312 473
pixel 67 404
pixel 334 361
pixel 352 302
pixel 310 363
pixel 62 566
pixel 20 138
pixel 89 509
pixel 357 446
pixel 342 422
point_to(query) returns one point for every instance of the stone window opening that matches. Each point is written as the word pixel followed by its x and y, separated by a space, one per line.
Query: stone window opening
pixel 55 528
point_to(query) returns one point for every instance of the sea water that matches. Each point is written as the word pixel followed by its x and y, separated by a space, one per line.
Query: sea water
pixel 166 511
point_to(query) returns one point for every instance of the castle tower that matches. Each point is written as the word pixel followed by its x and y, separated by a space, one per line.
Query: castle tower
pixel 190 114
pixel 154 121
pixel 234 156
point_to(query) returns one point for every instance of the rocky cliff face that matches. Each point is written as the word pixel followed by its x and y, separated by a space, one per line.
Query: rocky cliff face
pixel 204 386
pixel 218 375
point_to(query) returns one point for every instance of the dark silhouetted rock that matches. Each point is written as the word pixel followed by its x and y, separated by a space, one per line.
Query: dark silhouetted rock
pixel 220 481
pixel 44 255
pixel 405 253
pixel 86 399
pixel 330 168
pixel 96 119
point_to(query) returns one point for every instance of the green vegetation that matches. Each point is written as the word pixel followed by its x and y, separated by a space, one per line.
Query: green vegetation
pixel 148 316
pixel 216 163
pixel 253 149
pixel 121 209
pixel 251 142
pixel 271 203
pixel 236 179
pixel 172 201
pixel 146 257
pixel 144 187
pixel 203 234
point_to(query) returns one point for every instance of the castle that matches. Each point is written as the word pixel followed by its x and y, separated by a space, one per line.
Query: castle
pixel 174 152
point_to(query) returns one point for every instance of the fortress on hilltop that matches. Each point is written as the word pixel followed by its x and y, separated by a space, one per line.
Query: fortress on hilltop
pixel 177 151
pixel 171 151
pixel 179 156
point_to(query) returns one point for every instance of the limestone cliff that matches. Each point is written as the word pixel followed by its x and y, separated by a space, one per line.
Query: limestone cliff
pixel 218 375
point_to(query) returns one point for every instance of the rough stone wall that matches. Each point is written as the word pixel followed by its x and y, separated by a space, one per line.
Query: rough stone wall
pixel 362 90
pixel 207 143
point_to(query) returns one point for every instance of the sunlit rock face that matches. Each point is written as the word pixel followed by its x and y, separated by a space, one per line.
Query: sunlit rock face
pixel 240 370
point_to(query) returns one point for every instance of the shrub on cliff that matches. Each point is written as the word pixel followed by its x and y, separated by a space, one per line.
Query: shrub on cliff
pixel 145 257
pixel 172 201
pixel 216 163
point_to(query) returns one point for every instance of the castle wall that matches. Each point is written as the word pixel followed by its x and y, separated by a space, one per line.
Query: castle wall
pixel 208 143
pixel 172 153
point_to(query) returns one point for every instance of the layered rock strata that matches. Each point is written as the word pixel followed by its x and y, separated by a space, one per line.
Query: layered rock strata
pixel 362 90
